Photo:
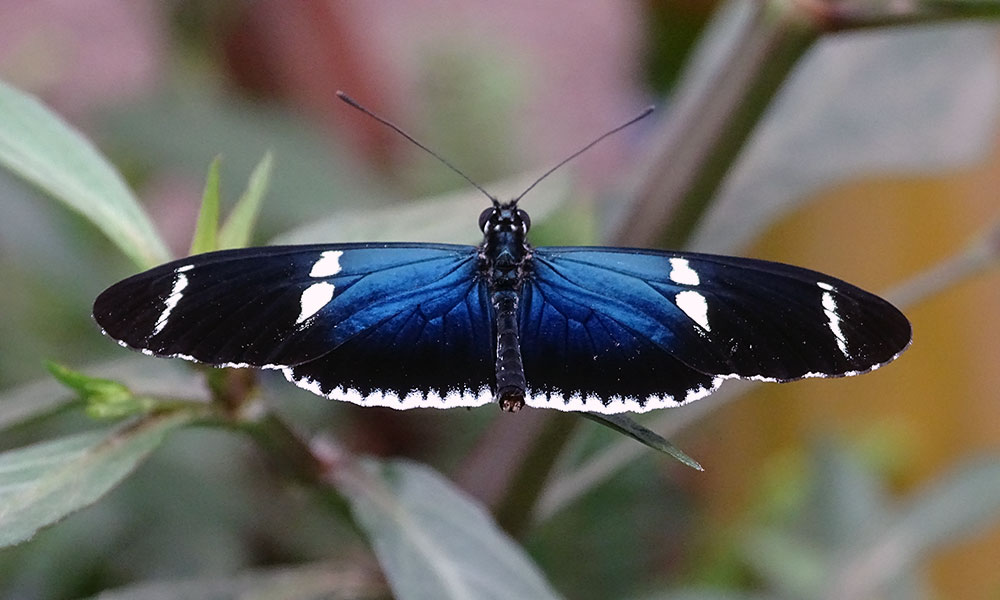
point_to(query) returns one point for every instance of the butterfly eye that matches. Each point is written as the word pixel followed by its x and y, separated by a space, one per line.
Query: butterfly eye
pixel 524 219
pixel 484 218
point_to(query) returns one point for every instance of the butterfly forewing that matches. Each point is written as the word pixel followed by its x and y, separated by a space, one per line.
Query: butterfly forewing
pixel 632 330
pixel 388 324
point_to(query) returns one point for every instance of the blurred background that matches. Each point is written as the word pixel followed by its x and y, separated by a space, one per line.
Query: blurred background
pixel 873 171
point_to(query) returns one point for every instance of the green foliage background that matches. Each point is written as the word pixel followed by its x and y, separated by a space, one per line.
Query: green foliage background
pixel 130 477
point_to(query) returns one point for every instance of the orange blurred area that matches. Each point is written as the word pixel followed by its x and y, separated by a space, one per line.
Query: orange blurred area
pixel 935 406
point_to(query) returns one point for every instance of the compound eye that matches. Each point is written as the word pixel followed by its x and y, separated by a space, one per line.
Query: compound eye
pixel 484 218
pixel 524 219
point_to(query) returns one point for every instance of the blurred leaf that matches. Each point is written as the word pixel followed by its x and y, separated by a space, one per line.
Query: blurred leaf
pixel 787 563
pixel 960 504
pixel 150 376
pixel 432 541
pixel 629 427
pixel 301 583
pixel 238 228
pixel 35 400
pixel 105 398
pixel 845 497
pixel 708 594
pixel 183 129
pixel 41 148
pixel 859 105
pixel 451 218
pixel 206 233
pixel 43 483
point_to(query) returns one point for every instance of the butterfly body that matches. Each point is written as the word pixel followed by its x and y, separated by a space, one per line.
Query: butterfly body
pixel 505 258
pixel 596 329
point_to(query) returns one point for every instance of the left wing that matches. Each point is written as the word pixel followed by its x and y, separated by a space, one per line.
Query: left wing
pixel 617 329
pixel 399 325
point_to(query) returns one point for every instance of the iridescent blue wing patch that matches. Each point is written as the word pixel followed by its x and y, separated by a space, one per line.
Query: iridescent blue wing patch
pixel 615 329
pixel 400 325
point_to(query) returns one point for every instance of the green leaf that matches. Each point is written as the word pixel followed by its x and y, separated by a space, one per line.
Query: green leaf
pixel 844 498
pixel 238 228
pixel 43 483
pixel 434 542
pixel 85 385
pixel 44 150
pixel 321 582
pixel 105 398
pixel 629 427
pixel 45 397
pixel 206 233
pixel 793 566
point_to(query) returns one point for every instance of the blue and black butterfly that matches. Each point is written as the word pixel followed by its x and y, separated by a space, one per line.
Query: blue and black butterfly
pixel 595 329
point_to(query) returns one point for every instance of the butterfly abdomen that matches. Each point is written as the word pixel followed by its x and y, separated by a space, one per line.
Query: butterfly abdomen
pixel 504 254
pixel 511 383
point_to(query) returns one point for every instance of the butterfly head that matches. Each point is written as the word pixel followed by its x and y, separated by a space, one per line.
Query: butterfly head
pixel 504 218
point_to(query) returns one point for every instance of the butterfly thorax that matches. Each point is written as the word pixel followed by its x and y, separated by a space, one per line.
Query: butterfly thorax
pixel 505 252
pixel 504 257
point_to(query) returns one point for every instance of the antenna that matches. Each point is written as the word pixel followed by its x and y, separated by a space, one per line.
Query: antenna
pixel 353 103
pixel 398 130
pixel 645 113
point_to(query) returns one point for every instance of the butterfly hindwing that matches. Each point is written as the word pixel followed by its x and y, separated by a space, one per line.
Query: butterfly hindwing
pixel 579 359
pixel 641 329
pixel 386 324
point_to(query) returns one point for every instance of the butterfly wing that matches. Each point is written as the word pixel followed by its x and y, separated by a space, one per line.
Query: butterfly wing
pixel 615 329
pixel 401 325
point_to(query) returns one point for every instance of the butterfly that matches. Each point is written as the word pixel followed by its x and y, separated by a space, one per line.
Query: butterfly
pixel 593 329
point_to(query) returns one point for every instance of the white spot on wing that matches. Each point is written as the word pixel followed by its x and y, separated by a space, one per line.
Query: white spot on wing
pixel 176 293
pixel 313 299
pixel 833 319
pixel 328 264
pixel 695 306
pixel 682 273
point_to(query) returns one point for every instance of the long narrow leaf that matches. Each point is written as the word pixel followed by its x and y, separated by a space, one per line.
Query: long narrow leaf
pixel 42 149
pixel 206 232
pixel 634 430
pixel 433 542
pixel 238 228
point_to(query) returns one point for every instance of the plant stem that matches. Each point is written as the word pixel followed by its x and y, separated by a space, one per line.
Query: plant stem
pixel 296 458
pixel 710 121
pixel 516 511
pixel 861 14
pixel 707 128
